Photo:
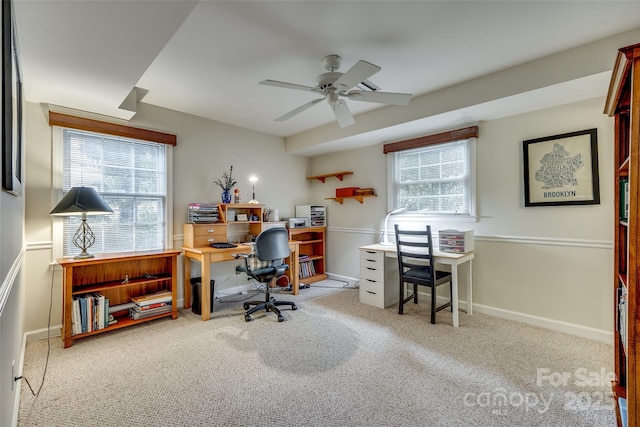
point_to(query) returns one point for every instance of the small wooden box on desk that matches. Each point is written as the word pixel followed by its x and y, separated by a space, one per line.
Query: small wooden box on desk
pixel 118 277
pixel 311 252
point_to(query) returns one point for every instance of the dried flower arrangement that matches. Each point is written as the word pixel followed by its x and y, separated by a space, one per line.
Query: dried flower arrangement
pixel 226 182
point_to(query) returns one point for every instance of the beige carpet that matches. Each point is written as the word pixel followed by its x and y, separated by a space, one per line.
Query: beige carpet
pixel 333 362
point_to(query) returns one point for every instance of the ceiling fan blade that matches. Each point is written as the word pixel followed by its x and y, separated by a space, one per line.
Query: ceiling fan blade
pixel 343 114
pixel 380 97
pixel 290 86
pixel 361 71
pixel 298 110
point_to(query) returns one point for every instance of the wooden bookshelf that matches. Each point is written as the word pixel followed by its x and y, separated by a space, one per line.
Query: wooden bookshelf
pixel 311 241
pixel 118 277
pixel 623 103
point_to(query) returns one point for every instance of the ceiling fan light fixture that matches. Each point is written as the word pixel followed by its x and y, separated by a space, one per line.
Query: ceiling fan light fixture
pixel 334 84
pixel 333 99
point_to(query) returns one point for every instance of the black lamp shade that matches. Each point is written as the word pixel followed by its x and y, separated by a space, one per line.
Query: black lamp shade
pixel 81 200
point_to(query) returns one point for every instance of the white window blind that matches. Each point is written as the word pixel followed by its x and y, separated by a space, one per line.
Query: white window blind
pixel 434 179
pixel 131 176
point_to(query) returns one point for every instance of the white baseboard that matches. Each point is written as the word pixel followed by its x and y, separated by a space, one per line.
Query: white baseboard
pixel 542 322
pixel 556 325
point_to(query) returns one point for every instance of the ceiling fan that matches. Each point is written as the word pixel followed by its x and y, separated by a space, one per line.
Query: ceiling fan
pixel 332 85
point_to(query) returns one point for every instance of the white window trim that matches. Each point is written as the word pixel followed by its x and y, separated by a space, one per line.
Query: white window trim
pixel 392 190
pixel 57 181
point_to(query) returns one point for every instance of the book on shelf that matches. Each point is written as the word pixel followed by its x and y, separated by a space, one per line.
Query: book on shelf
pixel 307 269
pixel 76 322
pixel 137 313
pixel 624 198
pixel 89 312
pixel 622 404
pixel 622 315
pixel 83 314
pixel 154 305
pixel 154 298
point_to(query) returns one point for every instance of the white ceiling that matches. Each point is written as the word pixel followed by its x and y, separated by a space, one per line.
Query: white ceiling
pixel 206 57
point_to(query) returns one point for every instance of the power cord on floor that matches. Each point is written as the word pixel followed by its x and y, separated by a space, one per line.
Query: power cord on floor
pixel 46 363
pixel 346 286
pixel 244 297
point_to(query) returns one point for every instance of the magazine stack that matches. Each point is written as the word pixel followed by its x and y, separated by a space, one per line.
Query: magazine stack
pixel 150 305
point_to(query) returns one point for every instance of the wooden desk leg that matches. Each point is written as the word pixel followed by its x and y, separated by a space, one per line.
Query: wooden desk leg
pixel 454 294
pixel 186 290
pixel 295 271
pixel 469 289
pixel 205 288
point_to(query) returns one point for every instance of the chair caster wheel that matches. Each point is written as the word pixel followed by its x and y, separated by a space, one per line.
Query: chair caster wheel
pixel 247 318
pixel 294 307
pixel 246 306
pixel 280 318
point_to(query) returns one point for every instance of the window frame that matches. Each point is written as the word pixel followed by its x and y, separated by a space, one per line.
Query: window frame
pixel 57 158
pixel 392 150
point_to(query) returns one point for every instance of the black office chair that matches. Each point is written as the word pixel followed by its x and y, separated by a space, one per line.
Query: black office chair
pixel 266 265
pixel 416 266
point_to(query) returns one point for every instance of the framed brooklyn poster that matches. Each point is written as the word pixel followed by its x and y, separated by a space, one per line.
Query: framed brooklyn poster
pixel 562 169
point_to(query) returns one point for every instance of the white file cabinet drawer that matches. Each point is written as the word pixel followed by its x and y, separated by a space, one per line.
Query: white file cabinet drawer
pixel 378 279
pixel 371 292
pixel 372 259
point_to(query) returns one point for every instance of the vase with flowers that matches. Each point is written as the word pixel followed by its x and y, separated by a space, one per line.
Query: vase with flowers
pixel 226 182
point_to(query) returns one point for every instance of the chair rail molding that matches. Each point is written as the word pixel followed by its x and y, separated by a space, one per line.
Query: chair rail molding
pixel 10 280
pixel 528 240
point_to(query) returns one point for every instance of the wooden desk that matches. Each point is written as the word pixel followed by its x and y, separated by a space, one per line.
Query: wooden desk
pixel 208 255
pixel 452 259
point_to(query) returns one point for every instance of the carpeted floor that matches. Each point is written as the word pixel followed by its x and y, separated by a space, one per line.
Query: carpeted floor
pixel 333 362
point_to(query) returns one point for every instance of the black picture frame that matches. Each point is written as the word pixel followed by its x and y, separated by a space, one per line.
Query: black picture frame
pixel 562 169
pixel 12 105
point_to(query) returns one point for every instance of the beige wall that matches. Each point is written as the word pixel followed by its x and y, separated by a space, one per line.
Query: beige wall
pixel 545 265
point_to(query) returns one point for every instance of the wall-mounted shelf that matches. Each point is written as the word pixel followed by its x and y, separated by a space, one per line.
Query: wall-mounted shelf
pixel 359 198
pixel 338 175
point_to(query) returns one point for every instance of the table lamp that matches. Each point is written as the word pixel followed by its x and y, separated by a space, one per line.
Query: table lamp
pixel 253 180
pixel 82 201
pixel 385 239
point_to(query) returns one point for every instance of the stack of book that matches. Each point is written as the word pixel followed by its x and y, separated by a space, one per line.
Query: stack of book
pixel 90 312
pixel 307 269
pixel 150 305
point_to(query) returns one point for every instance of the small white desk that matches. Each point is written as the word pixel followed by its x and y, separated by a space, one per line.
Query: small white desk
pixel 452 259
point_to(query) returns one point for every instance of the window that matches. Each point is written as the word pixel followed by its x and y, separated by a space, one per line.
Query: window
pixel 131 176
pixel 129 167
pixel 435 178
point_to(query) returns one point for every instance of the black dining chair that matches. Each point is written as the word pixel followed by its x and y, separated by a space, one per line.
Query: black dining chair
pixel 265 266
pixel 416 266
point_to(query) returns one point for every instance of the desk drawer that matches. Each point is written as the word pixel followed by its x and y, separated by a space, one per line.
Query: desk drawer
pixel 370 273
pixel 372 259
pixel 372 293
pixel 198 235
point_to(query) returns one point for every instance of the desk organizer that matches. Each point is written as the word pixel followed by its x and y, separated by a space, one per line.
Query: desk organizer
pixel 456 241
